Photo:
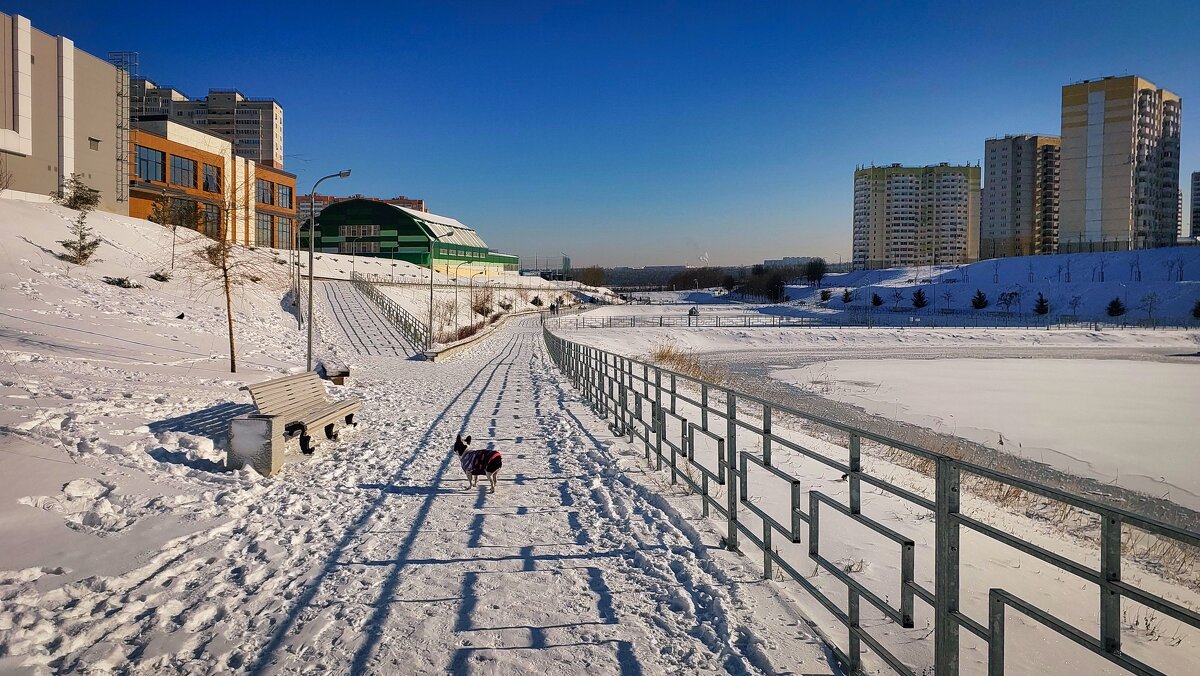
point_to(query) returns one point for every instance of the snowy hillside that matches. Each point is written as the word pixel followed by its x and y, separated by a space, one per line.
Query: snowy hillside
pixel 1080 285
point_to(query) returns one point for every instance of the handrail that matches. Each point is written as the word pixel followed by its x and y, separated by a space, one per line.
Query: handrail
pixel 759 320
pixel 409 326
pixel 659 408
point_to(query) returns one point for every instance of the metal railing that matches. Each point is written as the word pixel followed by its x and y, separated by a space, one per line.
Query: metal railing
pixel 883 320
pixel 699 431
pixel 409 326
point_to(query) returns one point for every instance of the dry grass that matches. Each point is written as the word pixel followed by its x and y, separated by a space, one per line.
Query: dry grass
pixel 675 358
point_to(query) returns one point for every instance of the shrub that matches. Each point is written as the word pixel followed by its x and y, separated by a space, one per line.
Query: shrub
pixel 161 276
pixel 505 305
pixel 1041 306
pixel 123 282
pixel 1115 308
pixel 847 296
pixel 876 300
pixel 1196 310
pixel 919 300
pixel 826 294
pixel 979 300
pixel 536 302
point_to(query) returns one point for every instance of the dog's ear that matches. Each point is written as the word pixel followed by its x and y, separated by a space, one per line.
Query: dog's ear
pixel 458 438
pixel 468 439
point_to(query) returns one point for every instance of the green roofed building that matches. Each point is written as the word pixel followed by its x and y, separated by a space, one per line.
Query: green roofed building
pixel 368 227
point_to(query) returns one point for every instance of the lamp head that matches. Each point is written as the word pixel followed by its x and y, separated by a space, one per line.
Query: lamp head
pixel 345 173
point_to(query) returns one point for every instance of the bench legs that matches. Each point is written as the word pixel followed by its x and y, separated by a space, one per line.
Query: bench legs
pixel 350 420
pixel 330 432
pixel 306 444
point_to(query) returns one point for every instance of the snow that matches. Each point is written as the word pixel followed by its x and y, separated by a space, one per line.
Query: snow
pixel 1083 416
pixel 130 548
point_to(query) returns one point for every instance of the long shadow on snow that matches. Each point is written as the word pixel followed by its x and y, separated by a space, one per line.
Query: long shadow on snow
pixel 284 628
pixel 211 422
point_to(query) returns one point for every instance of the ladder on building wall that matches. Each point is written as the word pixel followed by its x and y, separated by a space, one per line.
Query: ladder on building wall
pixel 127 71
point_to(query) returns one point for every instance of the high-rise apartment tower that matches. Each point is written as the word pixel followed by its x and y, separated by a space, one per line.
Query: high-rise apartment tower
pixel 1019 201
pixel 1120 165
pixel 915 215
pixel 254 126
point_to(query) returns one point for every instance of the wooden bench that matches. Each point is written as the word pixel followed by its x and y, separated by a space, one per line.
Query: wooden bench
pixel 287 407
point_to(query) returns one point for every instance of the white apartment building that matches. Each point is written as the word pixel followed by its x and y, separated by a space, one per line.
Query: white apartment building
pixel 905 216
pixel 253 125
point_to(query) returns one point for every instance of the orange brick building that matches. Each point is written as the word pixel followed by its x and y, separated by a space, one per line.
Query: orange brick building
pixel 249 204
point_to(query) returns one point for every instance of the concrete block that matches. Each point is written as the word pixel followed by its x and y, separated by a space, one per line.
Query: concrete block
pixel 256 440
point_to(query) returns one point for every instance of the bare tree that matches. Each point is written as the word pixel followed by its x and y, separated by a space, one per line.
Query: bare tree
pixel 996 271
pixel 1179 267
pixel 174 214
pixel 947 298
pixel 1007 298
pixel 896 298
pixel 1148 303
pixel 222 263
pixel 6 175
pixel 1074 303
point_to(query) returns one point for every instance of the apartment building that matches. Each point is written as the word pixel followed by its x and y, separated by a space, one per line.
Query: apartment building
pixel 1195 222
pixel 61 113
pixel 236 198
pixel 253 125
pixel 1120 165
pixel 915 215
pixel 1019 200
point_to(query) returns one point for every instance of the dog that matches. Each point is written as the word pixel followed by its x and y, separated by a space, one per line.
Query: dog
pixel 481 462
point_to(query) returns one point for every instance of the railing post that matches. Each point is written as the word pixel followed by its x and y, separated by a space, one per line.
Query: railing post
pixel 855 468
pixel 731 485
pixel 1110 572
pixel 766 435
pixel 945 567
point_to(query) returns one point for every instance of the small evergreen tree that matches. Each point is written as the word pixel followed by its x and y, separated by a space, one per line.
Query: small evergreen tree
pixel 826 294
pixel 75 194
pixel 848 296
pixel 918 299
pixel 876 300
pixel 82 244
pixel 979 300
pixel 1196 310
pixel 1115 308
pixel 1042 306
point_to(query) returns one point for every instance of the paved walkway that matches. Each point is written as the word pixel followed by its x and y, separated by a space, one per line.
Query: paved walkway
pixel 364 329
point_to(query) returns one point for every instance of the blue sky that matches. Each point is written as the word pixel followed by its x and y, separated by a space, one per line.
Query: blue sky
pixel 644 133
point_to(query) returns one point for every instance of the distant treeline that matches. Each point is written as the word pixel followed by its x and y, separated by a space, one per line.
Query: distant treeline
pixel 758 280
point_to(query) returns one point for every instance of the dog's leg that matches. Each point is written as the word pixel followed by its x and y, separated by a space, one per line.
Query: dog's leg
pixel 492 479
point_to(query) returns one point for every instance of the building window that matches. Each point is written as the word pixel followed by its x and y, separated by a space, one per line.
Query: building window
pixel 183 172
pixel 212 221
pixel 151 164
pixel 265 191
pixel 212 178
pixel 93 143
pixel 285 196
pixel 283 232
pixel 262 230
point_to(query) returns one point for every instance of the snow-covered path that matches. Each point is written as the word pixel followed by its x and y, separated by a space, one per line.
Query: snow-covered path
pixel 363 329
pixel 372 558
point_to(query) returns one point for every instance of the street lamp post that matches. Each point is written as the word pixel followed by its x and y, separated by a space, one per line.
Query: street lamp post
pixel 471 286
pixel 312 231
pixel 432 238
pixel 456 267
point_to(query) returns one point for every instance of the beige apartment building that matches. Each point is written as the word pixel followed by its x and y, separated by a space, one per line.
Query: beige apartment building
pixel 905 216
pixel 62 111
pixel 1019 202
pixel 253 125
pixel 1120 165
